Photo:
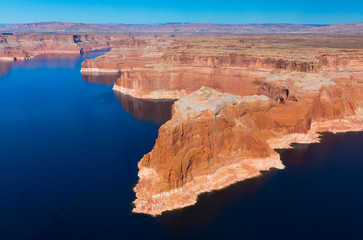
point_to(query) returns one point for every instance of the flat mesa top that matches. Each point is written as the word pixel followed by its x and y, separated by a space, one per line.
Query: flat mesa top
pixel 209 99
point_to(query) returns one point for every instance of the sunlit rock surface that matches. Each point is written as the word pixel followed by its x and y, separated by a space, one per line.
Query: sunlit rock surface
pixel 216 139
pixel 241 97
pixel 241 65
pixel 22 47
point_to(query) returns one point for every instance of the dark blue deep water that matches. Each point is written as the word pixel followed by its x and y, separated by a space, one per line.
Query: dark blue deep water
pixel 69 148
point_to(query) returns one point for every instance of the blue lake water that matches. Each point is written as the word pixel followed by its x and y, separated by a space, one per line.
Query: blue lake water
pixel 69 148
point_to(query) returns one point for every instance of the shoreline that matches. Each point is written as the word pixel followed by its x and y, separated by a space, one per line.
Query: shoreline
pixel 151 203
pixel 222 178
pixel 153 95
pixel 99 70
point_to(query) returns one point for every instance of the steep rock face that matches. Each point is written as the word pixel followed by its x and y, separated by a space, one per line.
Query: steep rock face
pixel 165 80
pixel 175 82
pixel 124 54
pixel 216 139
pixel 20 47
pixel 240 60
pixel 127 53
pixel 237 65
pixel 286 89
pixel 100 77
pixel 157 111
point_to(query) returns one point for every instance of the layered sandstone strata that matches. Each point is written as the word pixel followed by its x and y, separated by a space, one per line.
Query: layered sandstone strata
pixel 21 47
pixel 100 77
pixel 236 64
pixel 216 139
pixel 124 54
pixel 285 89
pixel 277 89
pixel 129 52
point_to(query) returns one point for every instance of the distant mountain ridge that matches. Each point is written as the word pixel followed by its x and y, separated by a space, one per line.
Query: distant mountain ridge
pixel 278 28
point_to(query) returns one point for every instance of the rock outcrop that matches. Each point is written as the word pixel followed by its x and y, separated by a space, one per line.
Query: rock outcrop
pixel 22 47
pixel 125 54
pixel 241 65
pixel 271 91
pixel 100 77
pixel 216 139
pixel 240 97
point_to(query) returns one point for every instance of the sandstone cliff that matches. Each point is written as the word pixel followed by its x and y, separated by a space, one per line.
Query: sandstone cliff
pixel 21 47
pixel 129 52
pixel 216 139
pixel 276 90
pixel 233 64
pixel 269 91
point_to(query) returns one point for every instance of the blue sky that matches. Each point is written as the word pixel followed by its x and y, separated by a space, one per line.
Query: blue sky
pixel 161 11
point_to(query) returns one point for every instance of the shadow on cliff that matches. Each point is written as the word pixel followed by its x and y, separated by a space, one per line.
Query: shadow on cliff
pixel 157 111
pixel 211 206
pixel 4 68
pixel 101 78
pixel 280 202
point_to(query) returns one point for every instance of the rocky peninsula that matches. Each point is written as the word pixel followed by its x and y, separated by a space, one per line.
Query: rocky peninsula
pixel 216 139
pixel 240 97
pixel 271 91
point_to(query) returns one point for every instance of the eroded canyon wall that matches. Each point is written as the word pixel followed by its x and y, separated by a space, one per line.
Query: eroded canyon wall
pixel 240 97
pixel 241 65
pixel 214 139
pixel 22 47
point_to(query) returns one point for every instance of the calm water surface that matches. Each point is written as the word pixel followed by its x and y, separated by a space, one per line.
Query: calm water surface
pixel 69 148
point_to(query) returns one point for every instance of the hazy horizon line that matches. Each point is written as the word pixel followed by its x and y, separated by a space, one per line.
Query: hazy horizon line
pixel 186 23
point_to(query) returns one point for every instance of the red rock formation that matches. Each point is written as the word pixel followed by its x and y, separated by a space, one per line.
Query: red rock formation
pixel 20 47
pixel 126 53
pixel 102 78
pixel 286 89
pixel 215 139
pixel 230 64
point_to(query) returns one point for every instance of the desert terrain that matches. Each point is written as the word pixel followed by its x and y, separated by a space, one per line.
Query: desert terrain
pixel 239 96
